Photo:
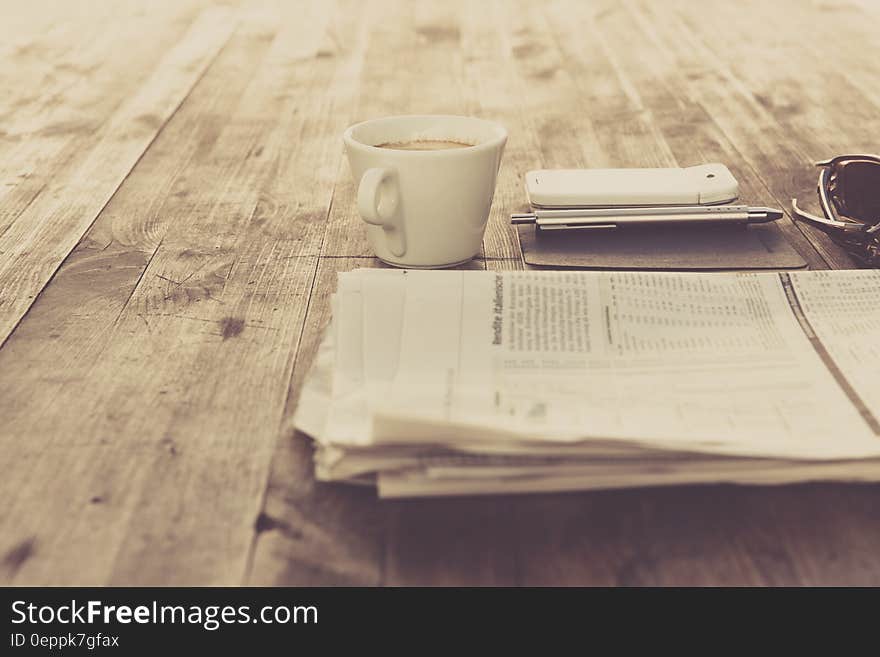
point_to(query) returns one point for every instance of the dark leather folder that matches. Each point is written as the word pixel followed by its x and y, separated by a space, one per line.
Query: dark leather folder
pixel 703 248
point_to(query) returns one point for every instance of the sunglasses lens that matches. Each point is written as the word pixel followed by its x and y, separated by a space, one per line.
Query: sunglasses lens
pixel 857 190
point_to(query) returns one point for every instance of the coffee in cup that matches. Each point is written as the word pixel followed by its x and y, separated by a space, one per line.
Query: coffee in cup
pixel 424 145
pixel 425 185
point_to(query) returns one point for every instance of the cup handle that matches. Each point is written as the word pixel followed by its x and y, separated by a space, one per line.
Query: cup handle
pixel 378 200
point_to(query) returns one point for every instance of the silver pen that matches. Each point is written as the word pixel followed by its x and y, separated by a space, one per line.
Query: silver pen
pixel 644 216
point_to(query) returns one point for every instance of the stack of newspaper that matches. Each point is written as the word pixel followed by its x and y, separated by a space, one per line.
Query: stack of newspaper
pixel 466 382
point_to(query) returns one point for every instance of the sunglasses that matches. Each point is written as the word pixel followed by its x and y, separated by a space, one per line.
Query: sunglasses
pixel 849 191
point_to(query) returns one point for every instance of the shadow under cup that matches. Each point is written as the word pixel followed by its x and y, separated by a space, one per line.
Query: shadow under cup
pixel 425 208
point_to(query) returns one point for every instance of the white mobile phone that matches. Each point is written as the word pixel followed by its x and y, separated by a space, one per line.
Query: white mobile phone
pixel 706 184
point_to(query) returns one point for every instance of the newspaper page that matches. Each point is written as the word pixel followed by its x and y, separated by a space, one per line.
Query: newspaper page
pixel 740 364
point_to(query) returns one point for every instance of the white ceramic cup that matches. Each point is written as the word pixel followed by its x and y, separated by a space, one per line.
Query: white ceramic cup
pixel 425 208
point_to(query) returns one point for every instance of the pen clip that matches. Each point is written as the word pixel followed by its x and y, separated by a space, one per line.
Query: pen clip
pixel 543 228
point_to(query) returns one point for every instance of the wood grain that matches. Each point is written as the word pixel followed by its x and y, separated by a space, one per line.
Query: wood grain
pixel 172 222
pixel 211 291
pixel 39 238
pixel 60 85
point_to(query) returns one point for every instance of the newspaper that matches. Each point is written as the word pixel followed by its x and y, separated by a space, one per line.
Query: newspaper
pixel 466 382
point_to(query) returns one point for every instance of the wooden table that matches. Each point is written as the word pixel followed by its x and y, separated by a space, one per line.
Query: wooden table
pixel 174 208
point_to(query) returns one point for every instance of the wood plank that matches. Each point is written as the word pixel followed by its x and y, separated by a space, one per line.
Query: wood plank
pixel 826 93
pixel 57 344
pixel 518 74
pixel 678 536
pixel 35 244
pixel 51 49
pixel 72 320
pixel 64 89
pixel 497 91
pixel 33 42
pixel 227 285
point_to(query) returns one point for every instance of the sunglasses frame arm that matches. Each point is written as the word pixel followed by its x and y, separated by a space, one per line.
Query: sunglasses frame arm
pixel 822 222
pixel 827 221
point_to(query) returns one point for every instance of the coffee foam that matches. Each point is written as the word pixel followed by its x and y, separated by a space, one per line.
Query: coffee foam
pixel 431 135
